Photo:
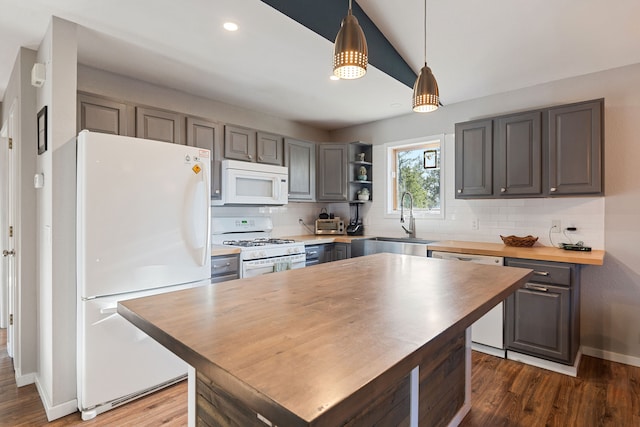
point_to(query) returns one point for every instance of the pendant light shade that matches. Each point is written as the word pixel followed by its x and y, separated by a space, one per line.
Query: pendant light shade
pixel 426 96
pixel 350 53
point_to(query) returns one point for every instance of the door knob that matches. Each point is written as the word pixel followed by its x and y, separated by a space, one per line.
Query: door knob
pixel 7 253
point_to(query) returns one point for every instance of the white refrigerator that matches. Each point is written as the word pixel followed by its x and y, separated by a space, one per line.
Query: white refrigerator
pixel 143 228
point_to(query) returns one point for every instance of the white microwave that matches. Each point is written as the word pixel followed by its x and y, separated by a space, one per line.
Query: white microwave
pixel 248 183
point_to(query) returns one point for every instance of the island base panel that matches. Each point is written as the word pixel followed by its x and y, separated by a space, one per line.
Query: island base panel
pixel 442 376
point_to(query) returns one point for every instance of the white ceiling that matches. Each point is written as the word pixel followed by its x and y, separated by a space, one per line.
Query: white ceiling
pixel 273 64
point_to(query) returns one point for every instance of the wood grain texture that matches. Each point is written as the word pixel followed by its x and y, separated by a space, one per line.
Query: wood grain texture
pixel 544 253
pixel 603 394
pixel 297 343
pixel 217 250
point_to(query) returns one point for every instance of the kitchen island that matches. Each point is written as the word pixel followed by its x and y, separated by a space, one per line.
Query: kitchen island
pixel 380 339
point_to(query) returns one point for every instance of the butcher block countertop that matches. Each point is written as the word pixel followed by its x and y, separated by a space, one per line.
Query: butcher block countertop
pixel 306 345
pixel 543 253
pixel 218 250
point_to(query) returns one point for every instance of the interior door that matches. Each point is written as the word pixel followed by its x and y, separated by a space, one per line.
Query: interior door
pixel 7 233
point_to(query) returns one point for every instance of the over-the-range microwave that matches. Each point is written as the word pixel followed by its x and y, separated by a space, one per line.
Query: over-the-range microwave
pixel 248 183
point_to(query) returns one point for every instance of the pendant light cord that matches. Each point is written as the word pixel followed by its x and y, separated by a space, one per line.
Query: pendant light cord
pixel 425 32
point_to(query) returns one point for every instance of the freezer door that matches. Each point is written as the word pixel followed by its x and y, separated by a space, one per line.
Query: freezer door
pixel 143 214
pixel 116 359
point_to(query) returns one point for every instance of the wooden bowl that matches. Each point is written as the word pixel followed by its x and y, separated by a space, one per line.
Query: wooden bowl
pixel 519 242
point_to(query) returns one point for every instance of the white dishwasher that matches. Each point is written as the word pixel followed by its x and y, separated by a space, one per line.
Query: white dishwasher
pixel 487 333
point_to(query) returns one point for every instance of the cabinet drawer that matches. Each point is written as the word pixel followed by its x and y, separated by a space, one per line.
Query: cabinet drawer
pixel 224 265
pixel 218 279
pixel 544 272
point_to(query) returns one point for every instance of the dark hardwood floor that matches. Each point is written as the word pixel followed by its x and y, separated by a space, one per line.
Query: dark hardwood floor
pixel 504 393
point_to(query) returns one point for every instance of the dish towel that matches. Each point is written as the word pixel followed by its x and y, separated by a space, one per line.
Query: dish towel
pixel 281 266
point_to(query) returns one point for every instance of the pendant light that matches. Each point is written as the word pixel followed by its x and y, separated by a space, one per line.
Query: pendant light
pixel 350 53
pixel 426 97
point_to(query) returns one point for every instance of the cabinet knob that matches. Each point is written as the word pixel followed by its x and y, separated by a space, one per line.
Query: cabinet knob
pixel 249 156
pixel 459 190
pixel 503 190
pixel 217 191
pixel 260 158
pixel 553 189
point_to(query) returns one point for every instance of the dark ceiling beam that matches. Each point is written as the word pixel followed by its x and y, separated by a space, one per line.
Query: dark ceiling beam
pixel 324 18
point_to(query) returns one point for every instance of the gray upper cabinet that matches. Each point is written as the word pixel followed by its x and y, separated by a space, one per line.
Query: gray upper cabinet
pixel 250 145
pixel 239 143
pixel 554 151
pixel 474 159
pixel 575 149
pixel 518 155
pixel 207 134
pixel 300 158
pixel 159 125
pixel 269 148
pixel 102 115
pixel 332 172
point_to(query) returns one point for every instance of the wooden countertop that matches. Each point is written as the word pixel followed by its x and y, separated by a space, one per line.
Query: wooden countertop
pixel 310 239
pixel 296 344
pixel 217 250
pixel 544 253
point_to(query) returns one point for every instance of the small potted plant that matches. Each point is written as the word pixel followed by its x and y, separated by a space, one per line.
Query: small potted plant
pixel 363 194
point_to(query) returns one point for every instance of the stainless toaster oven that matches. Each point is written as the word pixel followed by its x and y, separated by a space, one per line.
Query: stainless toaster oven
pixel 330 226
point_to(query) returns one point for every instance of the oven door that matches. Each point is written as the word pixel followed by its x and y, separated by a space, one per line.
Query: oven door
pixel 272 265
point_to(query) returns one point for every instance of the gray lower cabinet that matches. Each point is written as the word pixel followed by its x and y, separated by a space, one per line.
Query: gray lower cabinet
pixel 102 115
pixel 206 134
pixel 575 149
pixel 518 155
pixel 332 176
pixel 341 251
pixel 159 125
pixel 542 318
pixel 225 267
pixel 474 159
pixel 300 158
pixel 318 254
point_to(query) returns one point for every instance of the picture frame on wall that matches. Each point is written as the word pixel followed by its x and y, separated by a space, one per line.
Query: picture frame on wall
pixel 42 130
pixel 430 159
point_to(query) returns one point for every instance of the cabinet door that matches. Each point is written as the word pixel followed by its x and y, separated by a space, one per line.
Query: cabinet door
pixel 159 125
pixel 332 172
pixel 518 155
pixel 206 134
pixel 239 143
pixel 269 149
pixel 474 154
pixel 300 158
pixel 341 251
pixel 575 149
pixel 101 115
pixel 538 321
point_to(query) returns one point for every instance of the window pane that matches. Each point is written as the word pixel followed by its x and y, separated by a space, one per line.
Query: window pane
pixel 417 170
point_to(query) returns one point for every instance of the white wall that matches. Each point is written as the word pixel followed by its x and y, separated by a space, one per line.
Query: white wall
pixel 610 319
pixel 56 379
pixel 20 91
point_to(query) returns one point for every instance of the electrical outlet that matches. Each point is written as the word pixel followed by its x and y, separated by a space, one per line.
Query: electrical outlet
pixel 474 223
pixel 300 221
pixel 556 226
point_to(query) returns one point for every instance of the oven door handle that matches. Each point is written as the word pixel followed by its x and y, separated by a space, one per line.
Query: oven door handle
pixel 249 267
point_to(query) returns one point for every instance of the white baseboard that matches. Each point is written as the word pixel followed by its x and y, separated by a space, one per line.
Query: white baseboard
pixel 611 356
pixel 23 380
pixel 546 364
pixel 57 411
pixel 497 352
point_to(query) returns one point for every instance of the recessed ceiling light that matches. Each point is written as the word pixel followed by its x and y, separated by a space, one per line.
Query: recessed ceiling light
pixel 230 26
pixel 334 77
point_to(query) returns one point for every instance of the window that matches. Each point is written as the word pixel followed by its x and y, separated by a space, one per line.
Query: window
pixel 416 167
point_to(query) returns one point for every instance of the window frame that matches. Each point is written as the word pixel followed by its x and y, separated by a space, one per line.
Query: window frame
pixel 392 211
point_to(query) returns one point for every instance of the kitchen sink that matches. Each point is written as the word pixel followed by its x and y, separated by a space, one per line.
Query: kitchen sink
pixel 395 245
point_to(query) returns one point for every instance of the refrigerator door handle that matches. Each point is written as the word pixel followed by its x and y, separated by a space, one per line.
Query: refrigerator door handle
pixel 207 195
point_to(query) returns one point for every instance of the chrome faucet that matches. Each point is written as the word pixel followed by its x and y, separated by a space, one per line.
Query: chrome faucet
pixel 412 223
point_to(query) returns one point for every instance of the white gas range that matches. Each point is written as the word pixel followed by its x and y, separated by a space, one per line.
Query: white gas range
pixel 260 253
